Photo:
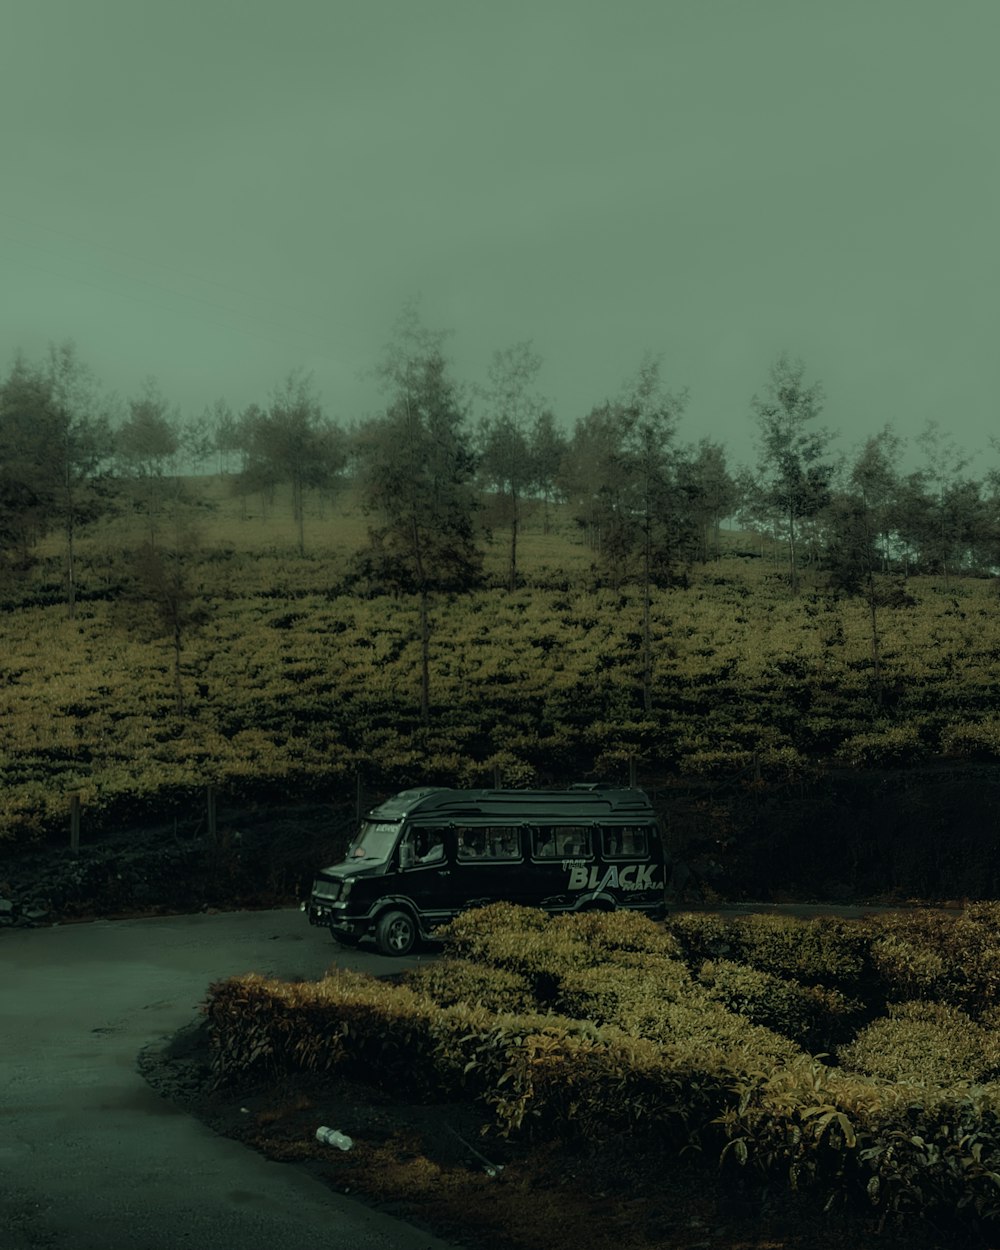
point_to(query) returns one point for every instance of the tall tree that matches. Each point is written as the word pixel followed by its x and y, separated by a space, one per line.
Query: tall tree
pixel 709 492
pixel 415 472
pixel 874 476
pixel 55 447
pixel 650 415
pixel 160 599
pixel 27 429
pixel 80 456
pixel 945 506
pixel 512 412
pixel 856 525
pixel 147 443
pixel 793 450
pixel 594 477
pixel 620 472
pixel 546 451
pixel 224 431
pixel 292 442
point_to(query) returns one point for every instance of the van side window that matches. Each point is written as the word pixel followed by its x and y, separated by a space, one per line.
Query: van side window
pixel 487 842
pixel 625 841
pixel 427 844
pixel 560 841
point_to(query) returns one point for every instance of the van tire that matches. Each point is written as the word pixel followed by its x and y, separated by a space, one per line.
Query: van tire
pixel 395 933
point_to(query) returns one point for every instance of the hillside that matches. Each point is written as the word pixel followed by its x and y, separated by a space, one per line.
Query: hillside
pixel 297 680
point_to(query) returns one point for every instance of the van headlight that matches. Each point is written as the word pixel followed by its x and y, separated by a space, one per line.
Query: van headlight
pixel 345 889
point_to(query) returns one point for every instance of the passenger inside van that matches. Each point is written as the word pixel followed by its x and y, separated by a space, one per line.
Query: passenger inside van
pixel 471 844
pixel 428 846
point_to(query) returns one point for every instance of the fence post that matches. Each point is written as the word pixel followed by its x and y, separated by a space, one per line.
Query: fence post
pixel 74 824
pixel 359 799
pixel 210 813
pixel 496 777
pixel 631 772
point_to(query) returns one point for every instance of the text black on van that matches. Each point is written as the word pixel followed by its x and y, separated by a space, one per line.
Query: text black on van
pixel 424 855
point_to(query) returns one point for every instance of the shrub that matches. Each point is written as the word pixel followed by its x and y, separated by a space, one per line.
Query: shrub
pixel 928 955
pixel 826 949
pixel 927 1043
pixel 702 936
pixel 451 981
pixel 604 932
pixel 892 747
pixel 812 1016
pixel 908 969
pixel 629 992
pixel 977 740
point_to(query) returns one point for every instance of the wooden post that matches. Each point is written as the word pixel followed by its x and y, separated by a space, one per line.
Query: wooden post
pixel 631 772
pixel 74 824
pixel 210 813
pixel 359 799
pixel 496 777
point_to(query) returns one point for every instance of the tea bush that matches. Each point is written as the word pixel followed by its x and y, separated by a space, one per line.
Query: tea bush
pixel 812 1016
pixel 451 981
pixel 951 959
pixel 702 936
pixel 633 1043
pixel 977 740
pixel 926 1043
pixel 825 949
pixel 893 746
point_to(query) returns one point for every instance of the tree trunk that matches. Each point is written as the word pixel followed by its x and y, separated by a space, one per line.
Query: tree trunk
pixel 70 566
pixel 792 568
pixel 514 518
pixel 425 663
pixel 647 644
pixel 178 685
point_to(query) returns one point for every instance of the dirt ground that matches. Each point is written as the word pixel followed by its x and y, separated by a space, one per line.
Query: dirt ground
pixel 438 1166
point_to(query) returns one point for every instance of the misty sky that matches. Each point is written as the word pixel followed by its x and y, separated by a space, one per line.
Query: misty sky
pixel 216 192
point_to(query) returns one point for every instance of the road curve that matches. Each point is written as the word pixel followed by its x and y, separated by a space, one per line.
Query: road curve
pixel 90 1156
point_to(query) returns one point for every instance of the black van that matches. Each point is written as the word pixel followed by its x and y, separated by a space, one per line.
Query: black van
pixel 424 855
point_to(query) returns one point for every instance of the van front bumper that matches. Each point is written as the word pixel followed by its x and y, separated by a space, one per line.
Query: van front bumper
pixel 332 916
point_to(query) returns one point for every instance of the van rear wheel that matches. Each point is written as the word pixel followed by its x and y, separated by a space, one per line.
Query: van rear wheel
pixel 395 933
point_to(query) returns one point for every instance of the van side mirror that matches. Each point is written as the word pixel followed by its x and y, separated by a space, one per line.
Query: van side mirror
pixel 406 855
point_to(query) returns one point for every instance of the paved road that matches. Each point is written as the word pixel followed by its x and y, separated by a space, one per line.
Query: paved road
pixel 91 1158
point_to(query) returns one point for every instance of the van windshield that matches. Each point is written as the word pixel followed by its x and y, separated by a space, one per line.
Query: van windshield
pixel 373 841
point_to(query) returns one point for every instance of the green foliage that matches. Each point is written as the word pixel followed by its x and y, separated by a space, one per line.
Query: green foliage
pixel 935 956
pixel 302 675
pixel 451 981
pixel 925 1043
pixel 633 1044
pixel 978 740
pixel 893 746
pixel 827 949
pixel 811 1015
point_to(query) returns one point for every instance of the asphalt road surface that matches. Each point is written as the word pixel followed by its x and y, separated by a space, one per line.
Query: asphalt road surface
pixel 91 1158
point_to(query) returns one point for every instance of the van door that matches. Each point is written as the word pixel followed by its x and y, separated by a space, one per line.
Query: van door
pixel 426 874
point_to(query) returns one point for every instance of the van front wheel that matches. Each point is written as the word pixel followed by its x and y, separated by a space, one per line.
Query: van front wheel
pixel 395 933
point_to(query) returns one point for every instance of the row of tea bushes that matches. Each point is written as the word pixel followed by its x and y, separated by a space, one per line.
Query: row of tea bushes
pixel 598 1025
pixel 295 681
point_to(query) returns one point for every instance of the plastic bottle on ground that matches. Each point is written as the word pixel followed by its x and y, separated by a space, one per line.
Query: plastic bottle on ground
pixel 331 1137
